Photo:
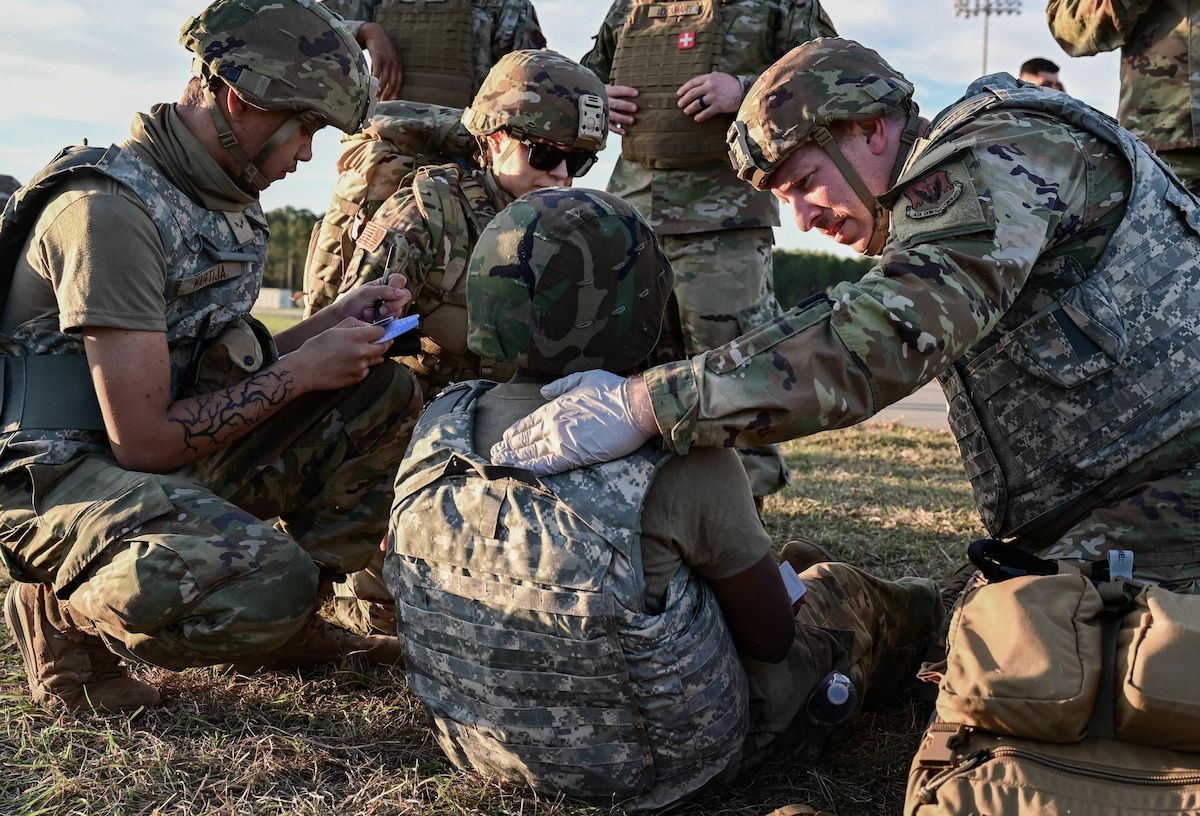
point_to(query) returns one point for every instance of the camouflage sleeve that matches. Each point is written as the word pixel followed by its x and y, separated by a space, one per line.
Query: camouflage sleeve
pixel 516 28
pixel 1087 27
pixel 967 230
pixel 397 239
pixel 798 21
pixel 604 46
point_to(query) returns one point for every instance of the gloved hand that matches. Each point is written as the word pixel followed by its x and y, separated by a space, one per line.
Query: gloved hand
pixel 588 421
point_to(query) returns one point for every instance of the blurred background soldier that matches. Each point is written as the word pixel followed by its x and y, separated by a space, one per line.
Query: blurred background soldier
pixel 538 121
pixel 675 75
pixel 8 186
pixel 440 51
pixel 1160 43
pixel 1041 71
pixel 178 487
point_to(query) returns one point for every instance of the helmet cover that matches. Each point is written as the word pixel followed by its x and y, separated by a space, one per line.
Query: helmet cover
pixel 543 94
pixel 284 55
pixel 565 280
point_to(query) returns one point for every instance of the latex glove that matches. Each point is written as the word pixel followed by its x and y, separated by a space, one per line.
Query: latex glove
pixel 588 421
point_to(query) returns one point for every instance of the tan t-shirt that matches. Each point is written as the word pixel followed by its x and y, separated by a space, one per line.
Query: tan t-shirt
pixel 699 510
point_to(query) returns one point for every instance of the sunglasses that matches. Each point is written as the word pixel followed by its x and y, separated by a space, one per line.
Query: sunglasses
pixel 546 157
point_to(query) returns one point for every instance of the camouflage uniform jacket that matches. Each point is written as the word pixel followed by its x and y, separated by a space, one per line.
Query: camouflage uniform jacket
pixel 521 603
pixel 710 197
pixel 1061 309
pixel 1160 43
pixel 426 231
pixel 500 26
pixel 214 263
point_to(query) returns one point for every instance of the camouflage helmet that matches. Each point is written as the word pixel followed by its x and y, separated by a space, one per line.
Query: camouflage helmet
pixel 284 55
pixel 541 93
pixel 817 83
pixel 565 280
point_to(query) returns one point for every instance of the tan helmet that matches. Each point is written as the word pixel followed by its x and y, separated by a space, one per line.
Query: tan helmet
pixel 543 94
pixel 820 82
pixel 281 55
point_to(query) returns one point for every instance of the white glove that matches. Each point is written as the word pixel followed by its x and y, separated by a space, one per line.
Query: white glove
pixel 588 421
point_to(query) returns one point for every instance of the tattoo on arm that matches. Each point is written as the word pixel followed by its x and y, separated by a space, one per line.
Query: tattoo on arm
pixel 223 415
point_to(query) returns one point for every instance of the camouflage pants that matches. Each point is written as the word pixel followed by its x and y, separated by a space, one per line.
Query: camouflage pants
pixel 1151 508
pixel 188 569
pixel 724 286
pixel 873 630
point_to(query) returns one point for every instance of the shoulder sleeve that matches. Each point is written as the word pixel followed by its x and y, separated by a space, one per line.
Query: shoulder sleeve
pixel 102 253
pixel 1087 27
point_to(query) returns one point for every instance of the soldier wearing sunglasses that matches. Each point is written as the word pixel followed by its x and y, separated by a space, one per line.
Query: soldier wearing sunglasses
pixel 540 119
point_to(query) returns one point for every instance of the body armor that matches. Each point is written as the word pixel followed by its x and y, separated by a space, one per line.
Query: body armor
pixel 433 39
pixel 525 633
pixel 1089 369
pixel 662 46
pixel 214 266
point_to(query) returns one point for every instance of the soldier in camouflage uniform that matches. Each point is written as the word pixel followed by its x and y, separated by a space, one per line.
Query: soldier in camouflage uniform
pixel 642 588
pixel 438 52
pixel 177 486
pixel 1040 261
pixel 675 74
pixel 1160 43
pixel 539 119
pixel 8 186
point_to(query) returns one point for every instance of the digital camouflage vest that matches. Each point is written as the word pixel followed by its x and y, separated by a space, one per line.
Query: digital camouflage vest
pixel 662 46
pixel 372 165
pixel 433 39
pixel 1090 368
pixel 521 601
pixel 214 263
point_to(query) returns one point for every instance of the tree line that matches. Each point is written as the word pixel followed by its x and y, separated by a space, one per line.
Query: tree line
pixel 798 273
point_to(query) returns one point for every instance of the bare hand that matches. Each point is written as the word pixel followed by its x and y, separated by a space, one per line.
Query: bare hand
pixel 385 62
pixel 384 298
pixel 703 97
pixel 338 357
pixel 621 109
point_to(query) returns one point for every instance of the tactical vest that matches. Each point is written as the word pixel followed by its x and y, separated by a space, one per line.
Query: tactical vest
pixel 214 263
pixel 1089 369
pixel 662 46
pixel 524 630
pixel 455 206
pixel 372 165
pixel 433 39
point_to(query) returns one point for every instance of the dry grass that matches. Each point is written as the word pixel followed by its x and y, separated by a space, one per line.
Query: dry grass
pixel 352 741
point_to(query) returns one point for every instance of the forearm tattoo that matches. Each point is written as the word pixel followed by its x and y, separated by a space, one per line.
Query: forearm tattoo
pixel 219 417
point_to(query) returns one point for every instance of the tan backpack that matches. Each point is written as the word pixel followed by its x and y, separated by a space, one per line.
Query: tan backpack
pixel 401 138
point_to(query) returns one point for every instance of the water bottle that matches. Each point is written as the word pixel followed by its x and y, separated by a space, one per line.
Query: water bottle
pixel 832 702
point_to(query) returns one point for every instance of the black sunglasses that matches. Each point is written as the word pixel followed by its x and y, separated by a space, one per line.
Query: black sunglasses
pixel 546 157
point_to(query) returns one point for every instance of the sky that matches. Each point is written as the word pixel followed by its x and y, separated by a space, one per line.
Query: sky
pixel 79 69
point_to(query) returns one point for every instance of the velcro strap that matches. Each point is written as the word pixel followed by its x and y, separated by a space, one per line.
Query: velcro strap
pixel 49 392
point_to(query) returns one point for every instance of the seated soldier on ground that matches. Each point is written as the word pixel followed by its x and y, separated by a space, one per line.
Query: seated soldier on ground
pixel 619 632
pixel 539 120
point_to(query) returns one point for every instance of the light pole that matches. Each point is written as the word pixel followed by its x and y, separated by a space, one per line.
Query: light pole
pixel 971 8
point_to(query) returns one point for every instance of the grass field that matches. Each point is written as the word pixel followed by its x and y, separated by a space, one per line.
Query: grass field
pixel 354 742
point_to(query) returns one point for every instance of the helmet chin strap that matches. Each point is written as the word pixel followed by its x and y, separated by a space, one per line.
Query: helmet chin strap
pixel 881 216
pixel 250 176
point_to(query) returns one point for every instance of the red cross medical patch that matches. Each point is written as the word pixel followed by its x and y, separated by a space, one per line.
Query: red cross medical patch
pixel 687 40
pixel 932 195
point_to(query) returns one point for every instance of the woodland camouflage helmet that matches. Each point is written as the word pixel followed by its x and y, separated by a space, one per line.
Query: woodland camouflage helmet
pixel 814 85
pixel 543 94
pixel 565 280
pixel 281 55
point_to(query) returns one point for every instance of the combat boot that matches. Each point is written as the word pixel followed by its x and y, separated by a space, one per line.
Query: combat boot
pixel 65 663
pixel 321 642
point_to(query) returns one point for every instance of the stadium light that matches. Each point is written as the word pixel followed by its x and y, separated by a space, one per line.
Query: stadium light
pixel 986 8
